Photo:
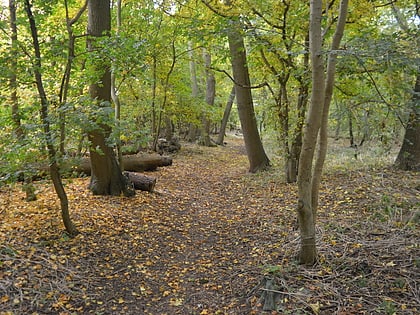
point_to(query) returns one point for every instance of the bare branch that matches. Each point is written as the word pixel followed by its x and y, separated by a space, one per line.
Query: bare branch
pixel 238 84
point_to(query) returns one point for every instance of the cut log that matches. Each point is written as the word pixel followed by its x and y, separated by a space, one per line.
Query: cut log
pixel 140 181
pixel 141 163
pixel 75 167
pixel 132 163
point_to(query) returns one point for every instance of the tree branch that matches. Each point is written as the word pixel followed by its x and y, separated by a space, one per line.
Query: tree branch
pixel 238 84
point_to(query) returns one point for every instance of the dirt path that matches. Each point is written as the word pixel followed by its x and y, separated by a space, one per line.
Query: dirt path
pixel 208 252
pixel 207 239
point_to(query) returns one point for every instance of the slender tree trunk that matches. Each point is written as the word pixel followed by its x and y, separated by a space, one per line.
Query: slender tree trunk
pixel 115 98
pixel 329 88
pixel 306 217
pixel 409 155
pixel 309 175
pixel 282 104
pixel 154 109
pixel 106 178
pixel 302 102
pixel 285 134
pixel 225 119
pixel 195 92
pixel 17 128
pixel 257 157
pixel 351 133
pixel 210 95
pixel 65 81
pixel 165 95
pixel 52 156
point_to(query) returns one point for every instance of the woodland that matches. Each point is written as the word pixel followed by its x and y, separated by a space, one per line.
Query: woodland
pixel 209 157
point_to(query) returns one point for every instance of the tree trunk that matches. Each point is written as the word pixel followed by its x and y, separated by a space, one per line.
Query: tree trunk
pixel 308 254
pixel 65 80
pixel 195 92
pixel 225 118
pixel 52 156
pixel 302 102
pixel 309 176
pixel 114 96
pixel 329 88
pixel 154 130
pixel 351 134
pixel 210 95
pixel 106 178
pixel 409 156
pixel 17 128
pixel 166 87
pixel 257 157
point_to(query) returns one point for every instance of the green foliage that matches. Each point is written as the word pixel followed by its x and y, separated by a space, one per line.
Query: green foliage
pixel 375 72
pixel 19 158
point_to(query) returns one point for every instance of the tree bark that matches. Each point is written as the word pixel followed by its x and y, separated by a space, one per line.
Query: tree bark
pixel 257 157
pixel 106 178
pixel 409 155
pixel 225 119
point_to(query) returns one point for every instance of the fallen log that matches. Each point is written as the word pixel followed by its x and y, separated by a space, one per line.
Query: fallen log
pixel 132 163
pixel 140 181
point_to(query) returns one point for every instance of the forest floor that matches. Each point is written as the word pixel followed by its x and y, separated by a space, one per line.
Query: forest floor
pixel 214 239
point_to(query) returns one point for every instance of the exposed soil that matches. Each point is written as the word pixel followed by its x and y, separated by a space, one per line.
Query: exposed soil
pixel 214 239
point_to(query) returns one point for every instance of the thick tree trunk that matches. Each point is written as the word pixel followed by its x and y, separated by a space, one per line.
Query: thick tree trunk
pixel 257 157
pixel 106 175
pixel 106 178
pixel 409 156
pixel 225 119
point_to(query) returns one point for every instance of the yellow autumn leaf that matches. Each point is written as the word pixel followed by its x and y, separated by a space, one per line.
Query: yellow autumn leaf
pixel 4 299
pixel 315 307
pixel 176 302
